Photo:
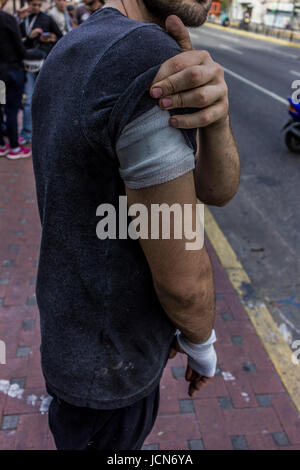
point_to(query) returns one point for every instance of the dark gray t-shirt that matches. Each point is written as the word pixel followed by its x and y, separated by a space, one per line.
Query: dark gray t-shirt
pixel 105 336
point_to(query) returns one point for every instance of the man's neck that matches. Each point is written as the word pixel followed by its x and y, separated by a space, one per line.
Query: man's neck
pixel 135 10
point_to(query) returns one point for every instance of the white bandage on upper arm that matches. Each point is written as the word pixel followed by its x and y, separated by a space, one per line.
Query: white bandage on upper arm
pixel 152 152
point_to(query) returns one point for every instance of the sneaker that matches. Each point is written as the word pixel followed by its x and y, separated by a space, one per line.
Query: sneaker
pixel 23 141
pixel 4 149
pixel 20 153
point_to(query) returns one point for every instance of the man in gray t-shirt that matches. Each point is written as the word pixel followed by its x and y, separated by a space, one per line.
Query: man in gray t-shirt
pixel 110 305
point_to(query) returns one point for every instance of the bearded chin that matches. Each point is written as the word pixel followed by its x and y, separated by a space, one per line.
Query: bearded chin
pixel 191 15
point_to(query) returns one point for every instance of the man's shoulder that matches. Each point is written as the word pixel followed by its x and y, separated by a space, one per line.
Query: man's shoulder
pixel 154 47
pixel 149 34
pixel 123 43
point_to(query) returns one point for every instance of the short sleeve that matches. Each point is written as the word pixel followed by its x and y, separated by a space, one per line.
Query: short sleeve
pixel 118 90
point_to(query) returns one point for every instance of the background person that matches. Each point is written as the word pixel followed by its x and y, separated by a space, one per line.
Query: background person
pixel 12 52
pixel 71 10
pixel 38 30
pixel 61 16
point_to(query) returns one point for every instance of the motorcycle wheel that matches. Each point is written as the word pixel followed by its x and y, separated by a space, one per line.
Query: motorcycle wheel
pixel 292 142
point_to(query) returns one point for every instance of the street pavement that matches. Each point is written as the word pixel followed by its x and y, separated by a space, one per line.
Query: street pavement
pixel 246 405
pixel 262 222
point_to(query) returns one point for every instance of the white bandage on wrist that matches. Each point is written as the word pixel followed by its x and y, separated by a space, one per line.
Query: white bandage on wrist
pixel 202 358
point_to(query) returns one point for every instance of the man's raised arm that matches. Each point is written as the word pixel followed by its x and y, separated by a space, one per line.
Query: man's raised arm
pixel 193 80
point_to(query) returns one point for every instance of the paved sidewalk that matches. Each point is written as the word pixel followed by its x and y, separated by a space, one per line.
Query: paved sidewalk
pixel 245 406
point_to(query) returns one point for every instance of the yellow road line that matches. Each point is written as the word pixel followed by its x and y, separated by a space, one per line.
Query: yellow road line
pixel 265 327
pixel 262 37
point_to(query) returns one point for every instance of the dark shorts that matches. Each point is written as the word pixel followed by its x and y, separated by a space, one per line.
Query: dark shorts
pixel 76 428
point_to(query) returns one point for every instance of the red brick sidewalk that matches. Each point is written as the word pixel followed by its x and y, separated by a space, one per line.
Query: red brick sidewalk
pixel 244 407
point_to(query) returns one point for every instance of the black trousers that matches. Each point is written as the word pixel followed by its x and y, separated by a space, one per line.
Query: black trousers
pixel 14 91
pixel 76 428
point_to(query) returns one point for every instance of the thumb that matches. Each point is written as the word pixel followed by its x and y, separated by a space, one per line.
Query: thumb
pixel 176 29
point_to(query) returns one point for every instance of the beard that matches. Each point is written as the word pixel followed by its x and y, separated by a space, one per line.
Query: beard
pixel 192 15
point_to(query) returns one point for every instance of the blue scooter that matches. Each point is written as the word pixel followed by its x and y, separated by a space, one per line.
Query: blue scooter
pixel 292 136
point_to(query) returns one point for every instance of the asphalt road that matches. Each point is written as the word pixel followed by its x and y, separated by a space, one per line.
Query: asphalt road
pixel 262 222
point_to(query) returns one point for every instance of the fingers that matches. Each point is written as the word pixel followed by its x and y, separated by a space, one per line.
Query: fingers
pixel 200 98
pixel 186 81
pixel 216 114
pixel 176 29
pixel 198 383
pixel 197 380
pixel 188 373
pixel 174 65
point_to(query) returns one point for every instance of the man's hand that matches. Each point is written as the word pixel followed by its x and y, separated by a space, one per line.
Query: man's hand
pixel 197 380
pixel 191 80
pixel 51 38
pixel 35 32
pixel 23 12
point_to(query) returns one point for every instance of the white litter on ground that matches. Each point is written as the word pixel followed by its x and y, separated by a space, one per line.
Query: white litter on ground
pixel 15 391
pixel 46 400
pixel 245 396
pixel 227 376
pixel 31 400
pixel 12 390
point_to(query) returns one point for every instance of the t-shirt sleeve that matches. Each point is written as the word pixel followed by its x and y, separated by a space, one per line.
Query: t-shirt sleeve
pixel 118 90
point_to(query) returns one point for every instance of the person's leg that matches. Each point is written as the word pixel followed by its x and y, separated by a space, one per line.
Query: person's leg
pixel 126 428
pixel 14 92
pixel 27 124
pixel 72 426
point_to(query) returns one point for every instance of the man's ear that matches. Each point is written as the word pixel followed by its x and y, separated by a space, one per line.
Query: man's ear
pixel 176 29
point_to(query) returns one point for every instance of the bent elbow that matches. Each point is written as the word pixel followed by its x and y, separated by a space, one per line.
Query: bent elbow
pixel 212 201
pixel 217 200
pixel 223 202
pixel 185 294
pixel 181 294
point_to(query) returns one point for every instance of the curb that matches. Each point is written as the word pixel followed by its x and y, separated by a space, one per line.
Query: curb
pixel 277 349
pixel 261 37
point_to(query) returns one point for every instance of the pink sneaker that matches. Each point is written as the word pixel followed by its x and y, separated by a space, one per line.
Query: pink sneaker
pixel 21 153
pixel 4 149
